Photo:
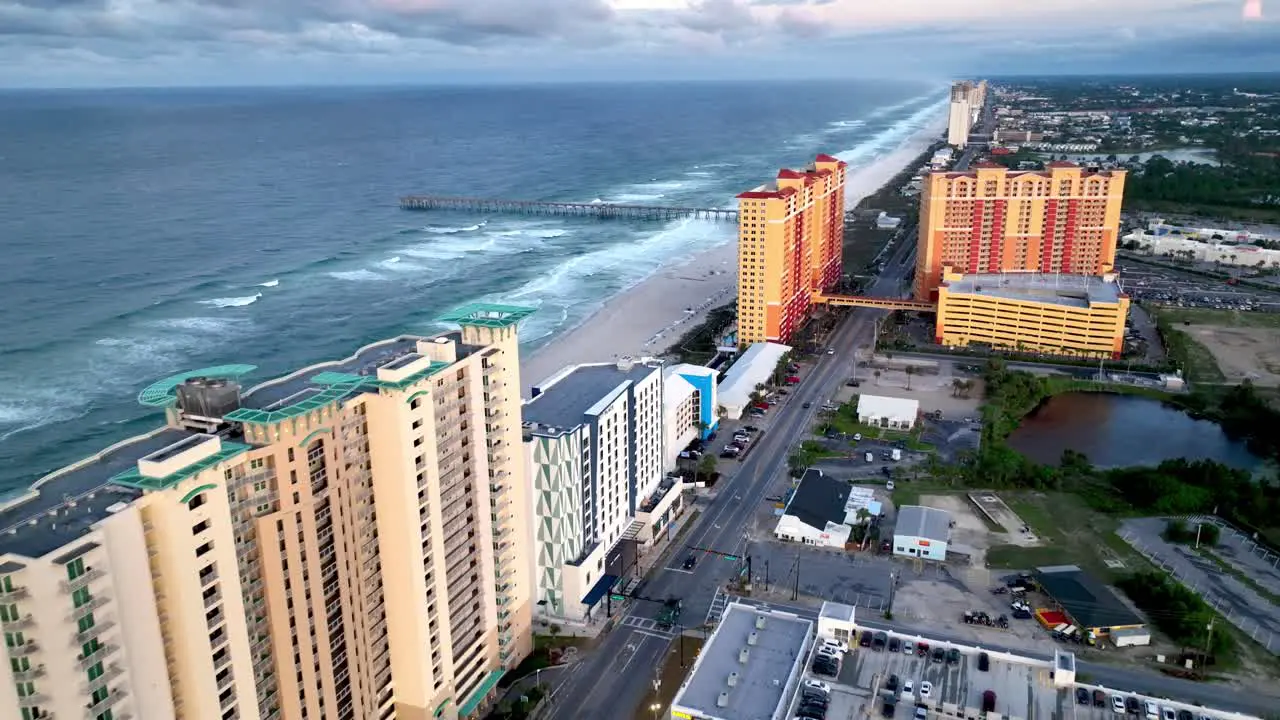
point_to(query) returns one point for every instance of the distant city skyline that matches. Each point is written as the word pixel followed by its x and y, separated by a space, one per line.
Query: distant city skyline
pixel 49 43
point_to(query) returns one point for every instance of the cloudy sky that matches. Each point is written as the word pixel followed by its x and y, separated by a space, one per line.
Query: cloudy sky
pixel 59 43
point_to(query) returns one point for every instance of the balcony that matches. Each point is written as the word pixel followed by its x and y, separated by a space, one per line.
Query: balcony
pixel 113 671
pixel 28 675
pixel 70 586
pixel 108 702
pixel 93 604
pixel 30 701
pixel 18 593
pixel 21 623
pixel 93 632
pixel 95 657
pixel 24 649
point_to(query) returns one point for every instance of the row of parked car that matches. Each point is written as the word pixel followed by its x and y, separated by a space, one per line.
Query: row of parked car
pixel 815 695
pixel 1131 705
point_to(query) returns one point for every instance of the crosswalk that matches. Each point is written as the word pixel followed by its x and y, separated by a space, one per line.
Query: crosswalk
pixel 718 604
pixel 646 626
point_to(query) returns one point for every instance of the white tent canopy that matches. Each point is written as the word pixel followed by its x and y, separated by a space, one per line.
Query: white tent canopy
pixel 752 368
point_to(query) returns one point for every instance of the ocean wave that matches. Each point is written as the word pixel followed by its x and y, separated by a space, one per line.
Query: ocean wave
pixel 269 283
pixel 356 275
pixel 891 137
pixel 454 230
pixel 227 302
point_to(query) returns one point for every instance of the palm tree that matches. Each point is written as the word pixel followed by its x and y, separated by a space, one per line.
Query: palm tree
pixel 957 386
pixel 877 374
pixel 909 370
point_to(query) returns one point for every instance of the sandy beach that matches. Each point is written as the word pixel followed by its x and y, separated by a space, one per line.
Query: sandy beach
pixel 646 319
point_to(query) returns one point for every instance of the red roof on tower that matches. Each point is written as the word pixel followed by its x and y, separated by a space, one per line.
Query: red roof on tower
pixel 785 174
pixel 766 194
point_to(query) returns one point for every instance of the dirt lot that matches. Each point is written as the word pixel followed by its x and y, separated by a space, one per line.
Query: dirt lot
pixel 1251 353
pixel 970 535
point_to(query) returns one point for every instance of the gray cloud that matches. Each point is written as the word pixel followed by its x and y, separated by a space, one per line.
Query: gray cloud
pixel 39 37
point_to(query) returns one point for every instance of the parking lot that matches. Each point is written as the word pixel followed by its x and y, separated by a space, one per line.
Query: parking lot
pixel 1022 688
pixel 861 579
pixel 1151 283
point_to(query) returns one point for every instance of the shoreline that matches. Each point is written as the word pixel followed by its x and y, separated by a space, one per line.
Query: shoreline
pixel 645 319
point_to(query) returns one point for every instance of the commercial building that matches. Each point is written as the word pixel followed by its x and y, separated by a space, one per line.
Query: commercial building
pixel 1062 314
pixel 1201 248
pixel 922 532
pixel 993 220
pixel 816 513
pixel 348 541
pixel 593 438
pixel 752 368
pixel 1088 604
pixel 888 412
pixel 689 403
pixel 750 667
pixel 790 247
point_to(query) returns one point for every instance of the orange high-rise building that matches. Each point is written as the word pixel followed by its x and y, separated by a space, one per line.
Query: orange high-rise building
pixel 790 247
pixel 1064 219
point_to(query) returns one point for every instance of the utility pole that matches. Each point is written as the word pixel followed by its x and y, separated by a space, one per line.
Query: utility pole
pixel 1208 642
pixel 766 574
pixel 795 590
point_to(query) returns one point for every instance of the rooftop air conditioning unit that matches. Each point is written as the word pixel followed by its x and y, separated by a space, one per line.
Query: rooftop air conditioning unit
pixel 733 679
pixel 723 700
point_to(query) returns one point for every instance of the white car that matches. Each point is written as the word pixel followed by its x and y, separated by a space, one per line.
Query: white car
pixel 926 689
pixel 1117 705
pixel 857 437
pixel 830 652
pixel 833 643
pixel 817 685
pixel 908 647
pixel 889 486
pixel 831 351
pixel 907 687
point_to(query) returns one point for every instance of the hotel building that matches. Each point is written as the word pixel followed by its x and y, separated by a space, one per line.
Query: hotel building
pixel 960 114
pixel 349 541
pixel 1072 314
pixel 689 408
pixel 790 248
pixel 593 442
pixel 993 220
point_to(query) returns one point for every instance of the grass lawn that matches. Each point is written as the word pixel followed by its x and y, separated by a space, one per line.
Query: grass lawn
pixel 845 420
pixel 672 675
pixel 1219 318
pixel 1073 534
pixel 908 492
pixel 1197 362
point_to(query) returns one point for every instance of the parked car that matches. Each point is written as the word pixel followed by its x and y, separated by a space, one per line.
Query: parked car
pixel 922 712
pixel 989 701
pixel 806 406
pixel 864 640
pixel 984 664
pixel 922 649
pixel 837 645
pixel 926 689
pixel 895 644
pixel 889 486
pixel 888 708
pixel 1167 713
pixel 1132 705
pixel 891 684
pixel 939 655
pixel 1082 696
pixel 1117 706
pixel 908 687
pixel 1099 698
pixel 908 648
pixel 811 684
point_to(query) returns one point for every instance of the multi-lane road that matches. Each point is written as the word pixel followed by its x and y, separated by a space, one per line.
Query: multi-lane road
pixel 613 680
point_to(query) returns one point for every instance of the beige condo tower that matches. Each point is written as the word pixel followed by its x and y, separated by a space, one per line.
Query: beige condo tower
pixel 352 540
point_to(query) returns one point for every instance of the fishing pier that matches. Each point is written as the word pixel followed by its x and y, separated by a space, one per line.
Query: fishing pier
pixel 571 209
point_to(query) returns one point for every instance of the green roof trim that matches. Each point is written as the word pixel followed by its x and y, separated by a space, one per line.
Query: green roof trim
pixel 440 710
pixel 480 693
pixel 134 479
pixel 336 378
pixel 328 396
pixel 488 315
pixel 314 433
pixel 416 395
pixel 163 393
pixel 196 491
pixel 336 385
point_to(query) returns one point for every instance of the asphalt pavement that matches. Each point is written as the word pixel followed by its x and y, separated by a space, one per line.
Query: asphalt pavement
pixel 613 680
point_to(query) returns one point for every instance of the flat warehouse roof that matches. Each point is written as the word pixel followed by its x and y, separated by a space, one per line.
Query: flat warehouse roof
pixel 758 681
pixel 1090 603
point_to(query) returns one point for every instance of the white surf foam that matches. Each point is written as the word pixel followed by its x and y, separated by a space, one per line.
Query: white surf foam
pixel 454 230
pixel 227 302
pixel 269 283
pixel 891 137
pixel 356 275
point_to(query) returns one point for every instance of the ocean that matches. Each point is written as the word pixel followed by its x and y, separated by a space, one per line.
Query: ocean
pixel 148 232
